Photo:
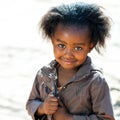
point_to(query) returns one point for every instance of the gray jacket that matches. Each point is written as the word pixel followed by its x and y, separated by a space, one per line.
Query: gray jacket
pixel 86 96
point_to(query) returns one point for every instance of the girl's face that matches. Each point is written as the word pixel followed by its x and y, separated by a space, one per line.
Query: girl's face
pixel 71 46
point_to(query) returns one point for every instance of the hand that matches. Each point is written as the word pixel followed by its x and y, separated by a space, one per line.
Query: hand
pixel 50 105
pixel 62 114
pixel 108 117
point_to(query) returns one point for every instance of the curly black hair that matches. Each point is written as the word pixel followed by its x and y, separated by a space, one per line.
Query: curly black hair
pixel 80 15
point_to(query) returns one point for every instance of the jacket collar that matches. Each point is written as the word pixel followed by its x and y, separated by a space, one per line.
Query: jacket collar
pixel 85 68
pixel 50 71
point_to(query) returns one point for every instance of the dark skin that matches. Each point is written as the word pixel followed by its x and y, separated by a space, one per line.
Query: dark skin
pixel 71 47
pixel 52 105
pixel 65 75
pixel 49 106
pixel 61 113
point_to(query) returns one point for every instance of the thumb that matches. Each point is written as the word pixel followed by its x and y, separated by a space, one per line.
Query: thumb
pixel 108 117
pixel 50 94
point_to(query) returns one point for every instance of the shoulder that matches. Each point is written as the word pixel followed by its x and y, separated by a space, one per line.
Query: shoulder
pixel 47 70
pixel 98 80
pixel 98 77
pixel 47 67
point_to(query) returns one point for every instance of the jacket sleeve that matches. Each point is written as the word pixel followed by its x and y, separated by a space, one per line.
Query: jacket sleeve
pixel 34 99
pixel 101 102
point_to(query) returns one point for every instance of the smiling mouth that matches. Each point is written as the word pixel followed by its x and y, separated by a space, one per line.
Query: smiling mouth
pixel 67 61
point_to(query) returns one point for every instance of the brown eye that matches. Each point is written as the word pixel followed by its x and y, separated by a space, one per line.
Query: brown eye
pixel 78 48
pixel 61 46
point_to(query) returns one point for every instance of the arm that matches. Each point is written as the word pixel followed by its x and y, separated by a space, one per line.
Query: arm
pixel 62 114
pixel 37 107
pixel 34 100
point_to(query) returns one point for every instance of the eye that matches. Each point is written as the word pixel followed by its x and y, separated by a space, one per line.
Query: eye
pixel 61 46
pixel 78 48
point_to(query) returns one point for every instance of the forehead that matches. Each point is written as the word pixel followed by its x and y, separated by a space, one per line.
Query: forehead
pixel 72 29
pixel 71 32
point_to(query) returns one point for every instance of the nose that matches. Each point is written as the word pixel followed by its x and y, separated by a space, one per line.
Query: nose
pixel 69 53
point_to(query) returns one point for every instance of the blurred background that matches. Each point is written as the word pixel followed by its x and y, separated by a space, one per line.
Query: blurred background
pixel 23 53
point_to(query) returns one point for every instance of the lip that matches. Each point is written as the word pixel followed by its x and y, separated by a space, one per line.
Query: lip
pixel 68 61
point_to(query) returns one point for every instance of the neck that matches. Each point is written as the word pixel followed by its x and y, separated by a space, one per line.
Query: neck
pixel 64 75
pixel 68 70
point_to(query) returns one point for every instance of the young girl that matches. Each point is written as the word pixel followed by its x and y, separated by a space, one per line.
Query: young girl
pixel 71 87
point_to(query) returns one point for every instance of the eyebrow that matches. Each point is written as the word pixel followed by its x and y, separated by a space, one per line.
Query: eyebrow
pixel 58 40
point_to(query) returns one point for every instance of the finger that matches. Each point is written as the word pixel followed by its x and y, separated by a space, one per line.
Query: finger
pixel 51 98
pixel 51 94
pixel 52 110
pixel 108 117
pixel 53 103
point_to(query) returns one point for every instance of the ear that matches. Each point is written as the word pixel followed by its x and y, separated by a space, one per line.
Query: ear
pixel 91 47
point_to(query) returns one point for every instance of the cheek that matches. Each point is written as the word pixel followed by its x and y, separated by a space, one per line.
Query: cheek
pixel 81 57
pixel 57 52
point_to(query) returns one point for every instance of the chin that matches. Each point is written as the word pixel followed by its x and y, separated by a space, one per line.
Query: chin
pixel 69 67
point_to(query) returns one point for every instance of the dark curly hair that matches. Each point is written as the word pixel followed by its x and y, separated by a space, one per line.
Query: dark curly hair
pixel 80 15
